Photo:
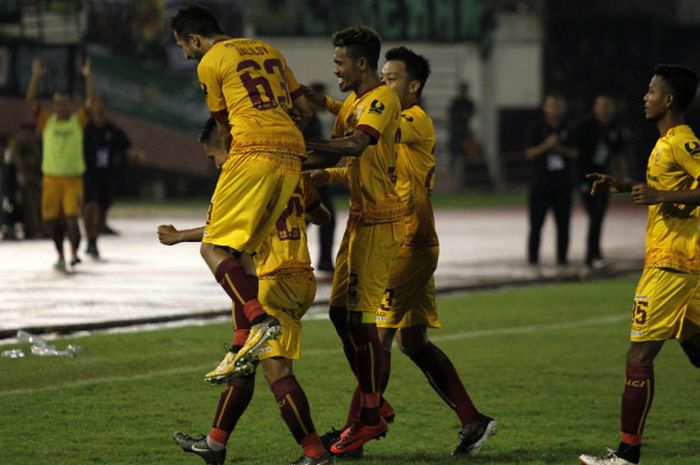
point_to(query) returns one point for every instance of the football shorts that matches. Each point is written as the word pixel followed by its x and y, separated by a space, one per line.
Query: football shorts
pixel 286 297
pixel 252 191
pixel 61 197
pixel 362 266
pixel 666 306
pixel 409 299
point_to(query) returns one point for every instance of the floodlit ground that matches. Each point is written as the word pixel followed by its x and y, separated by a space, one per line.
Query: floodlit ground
pixel 546 361
pixel 139 279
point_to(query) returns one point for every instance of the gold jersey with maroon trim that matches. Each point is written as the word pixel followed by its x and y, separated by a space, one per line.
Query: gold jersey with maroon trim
pixel 250 81
pixel 286 250
pixel 672 234
pixel 372 176
pixel 416 175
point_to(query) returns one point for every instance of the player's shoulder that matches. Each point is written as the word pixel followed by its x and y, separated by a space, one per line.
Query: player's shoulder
pixel 416 114
pixel 682 139
pixel 385 93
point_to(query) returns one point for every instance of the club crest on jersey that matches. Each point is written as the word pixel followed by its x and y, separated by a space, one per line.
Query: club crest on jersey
pixel 376 107
pixel 204 88
pixel 692 147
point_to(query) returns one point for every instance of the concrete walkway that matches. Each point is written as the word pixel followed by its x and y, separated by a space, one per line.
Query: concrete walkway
pixel 140 281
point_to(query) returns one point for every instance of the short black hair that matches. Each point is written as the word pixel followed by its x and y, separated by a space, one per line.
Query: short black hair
pixel 682 83
pixel 208 132
pixel 361 42
pixel 417 66
pixel 195 19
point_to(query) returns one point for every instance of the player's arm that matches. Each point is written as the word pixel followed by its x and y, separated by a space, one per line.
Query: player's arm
pixel 606 183
pixel 537 150
pixel 86 71
pixel 323 101
pixel 170 235
pixel 323 177
pixel 327 153
pixel 646 195
pixel 42 115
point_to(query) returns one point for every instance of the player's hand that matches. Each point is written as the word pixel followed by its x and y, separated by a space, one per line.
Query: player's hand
pixel 316 98
pixel 38 68
pixel 601 182
pixel 643 194
pixel 168 234
pixel 317 178
pixel 86 69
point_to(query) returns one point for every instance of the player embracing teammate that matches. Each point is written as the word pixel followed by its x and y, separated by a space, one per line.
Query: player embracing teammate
pixel 407 306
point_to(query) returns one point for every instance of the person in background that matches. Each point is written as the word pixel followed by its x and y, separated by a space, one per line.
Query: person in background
pixel 600 148
pixel 106 149
pixel 549 150
pixel 63 162
pixel 315 130
pixel 460 113
pixel 24 151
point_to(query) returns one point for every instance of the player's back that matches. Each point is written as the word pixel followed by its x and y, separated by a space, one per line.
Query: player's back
pixel 286 249
pixel 250 80
pixel 416 175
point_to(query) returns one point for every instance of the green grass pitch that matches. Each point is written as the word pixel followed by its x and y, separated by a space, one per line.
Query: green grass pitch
pixel 546 362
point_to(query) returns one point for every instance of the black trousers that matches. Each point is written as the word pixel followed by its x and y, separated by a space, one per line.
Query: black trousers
pixel 595 206
pixel 543 197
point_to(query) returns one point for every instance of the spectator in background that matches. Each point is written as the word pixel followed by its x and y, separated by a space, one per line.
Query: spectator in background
pixel 600 143
pixel 24 152
pixel 315 130
pixel 63 163
pixel 549 149
pixel 106 148
pixel 460 113
pixel 10 226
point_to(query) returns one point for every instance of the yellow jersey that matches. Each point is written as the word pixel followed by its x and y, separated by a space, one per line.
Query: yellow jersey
pixel 371 177
pixel 416 176
pixel 286 250
pixel 250 81
pixel 672 234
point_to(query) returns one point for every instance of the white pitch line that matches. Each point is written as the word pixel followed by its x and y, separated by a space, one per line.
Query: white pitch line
pixel 446 337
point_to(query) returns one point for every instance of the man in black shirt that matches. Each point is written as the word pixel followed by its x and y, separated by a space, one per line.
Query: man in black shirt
pixel 600 142
pixel 106 149
pixel 550 151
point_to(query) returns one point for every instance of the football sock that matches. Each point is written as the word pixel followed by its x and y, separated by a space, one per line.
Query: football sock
pixel 386 370
pixel 241 325
pixel 296 413
pixel 636 401
pixel 368 369
pixel 232 403
pixel 339 318
pixel 628 452
pixel 57 235
pixel 240 287
pixel 443 377
pixel 216 440
pixel 355 405
pixel 312 445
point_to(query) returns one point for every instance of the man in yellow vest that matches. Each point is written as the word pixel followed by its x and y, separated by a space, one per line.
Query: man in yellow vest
pixel 63 161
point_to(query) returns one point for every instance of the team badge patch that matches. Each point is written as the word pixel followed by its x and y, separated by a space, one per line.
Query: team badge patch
pixel 692 147
pixel 376 107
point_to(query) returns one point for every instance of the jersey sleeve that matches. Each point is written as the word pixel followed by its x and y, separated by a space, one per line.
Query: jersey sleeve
pixel 686 152
pixel 210 82
pixel 414 129
pixel 331 104
pixel 378 114
pixel 338 175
